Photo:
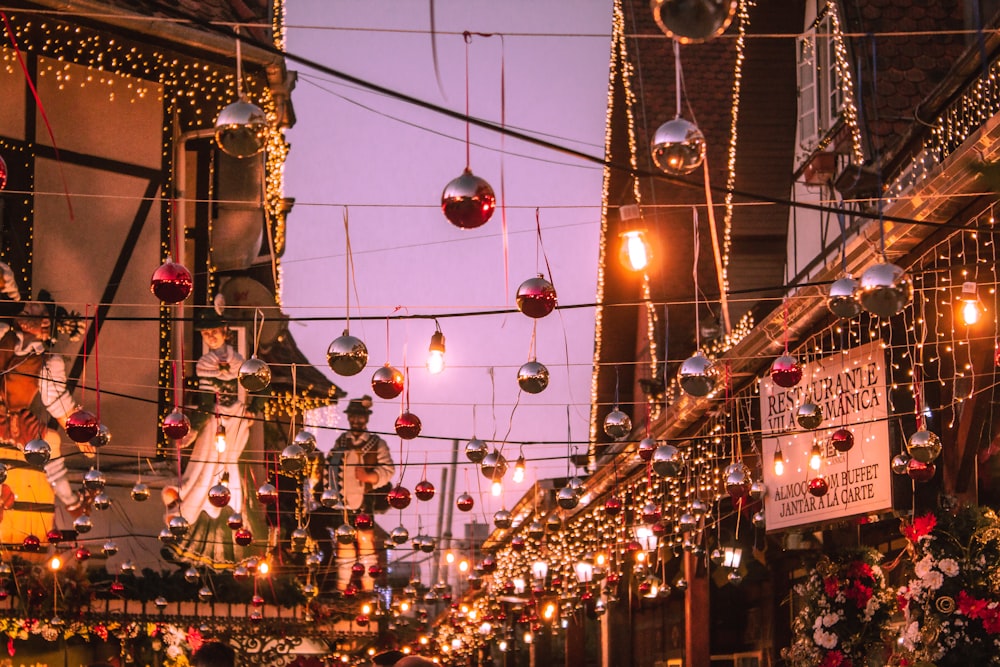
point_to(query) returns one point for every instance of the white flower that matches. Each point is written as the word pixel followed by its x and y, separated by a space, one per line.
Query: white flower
pixel 923 566
pixel 948 566
pixel 173 651
pixel 825 639
pixel 831 619
pixel 934 579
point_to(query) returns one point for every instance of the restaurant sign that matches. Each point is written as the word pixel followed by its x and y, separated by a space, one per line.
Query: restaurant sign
pixel 850 390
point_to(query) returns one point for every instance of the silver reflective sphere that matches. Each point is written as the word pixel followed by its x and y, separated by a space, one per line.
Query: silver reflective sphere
pixel 101 501
pixel 468 201
pixel 617 424
pixel 345 534
pixel 697 376
pixel 667 461
pixel 536 529
pixel 738 479
pixel 687 522
pixel 476 450
pixel 567 498
pixel 842 299
pixel 347 355
pixel 292 458
pixel 254 374
pixel 37 452
pixel 329 498
pixel 757 490
pixel 305 440
pixel 885 290
pixel 503 519
pixel 94 480
pixel 493 466
pixel 692 21
pixel 178 526
pixel 809 415
pixel 924 446
pixel 678 147
pixel 399 535
pixel 83 524
pixel 241 129
pixel 900 463
pixel 140 492
pixel 102 438
pixel 758 519
pixel 533 377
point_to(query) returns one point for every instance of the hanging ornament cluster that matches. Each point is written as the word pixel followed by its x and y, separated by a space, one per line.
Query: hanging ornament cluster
pixel 536 297
pixel 693 21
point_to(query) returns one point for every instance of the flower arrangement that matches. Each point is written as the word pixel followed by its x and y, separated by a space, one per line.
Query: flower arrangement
pixel 846 606
pixel 951 606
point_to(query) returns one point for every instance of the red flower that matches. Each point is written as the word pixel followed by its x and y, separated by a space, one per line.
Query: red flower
pixel 921 526
pixel 970 606
pixel 832 586
pixel 834 659
pixel 901 598
pixel 859 593
pixel 194 639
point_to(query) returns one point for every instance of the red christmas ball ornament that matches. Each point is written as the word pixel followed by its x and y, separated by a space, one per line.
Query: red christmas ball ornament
pixel 3 173
pixel 363 521
pixel 82 554
pixel 468 201
pixel 267 494
pixel 235 521
pixel 842 440
pixel 117 588
pixel 350 590
pixel 489 564
pixel 919 471
pixel 357 570
pixel 536 297
pixel 4 593
pixel 613 506
pixel 818 486
pixel 176 425
pixel 31 543
pixel 424 490
pixel 361 621
pixel 243 537
pixel 647 446
pixel 650 513
pixel 465 502
pixel 387 382
pixel 257 600
pixel 517 543
pixel 407 426
pixel 171 282
pixel 786 371
pixel 82 426
pixel 219 495
pixel 375 571
pixel 399 497
pixel 54 536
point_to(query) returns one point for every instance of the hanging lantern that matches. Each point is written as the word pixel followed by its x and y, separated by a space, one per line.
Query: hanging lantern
pixel 678 147
pixel 818 486
pixel 292 459
pixel 533 377
pixel 255 374
pixel 82 426
pixel 567 498
pixel 37 452
pixel 241 129
pixel 786 371
pixel 809 415
pixel 219 495
pixel 102 438
pixel 924 446
pixel 667 461
pixel 647 447
pixel 424 490
pixel 692 21
pixel 171 282
pixel 503 519
pixel 697 376
pixel 617 424
pixel 842 440
pixel 347 355
pixel 176 425
pixel 536 297
pixel 468 201
pixel 407 426
pixel 476 450
pixel 399 497
pixel 493 466
pixel 465 502
pixel 738 480
pixel 842 299
pixel 885 290
pixel 387 382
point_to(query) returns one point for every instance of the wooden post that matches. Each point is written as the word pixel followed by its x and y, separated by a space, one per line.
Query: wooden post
pixel 697 645
pixel 575 653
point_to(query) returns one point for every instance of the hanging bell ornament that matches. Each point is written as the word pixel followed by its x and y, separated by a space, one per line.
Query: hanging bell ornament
pixel 693 21
pixel 347 355
pixel 267 494
pixel 292 459
pixel 647 447
pixel 809 415
pixel 140 492
pixel 667 461
pixel 254 374
pixel 493 466
pixel 738 480
pixel 842 440
pixel 3 173
pixel 697 376
pixel 786 371
pixel 424 490
pixel 407 426
pixel 533 377
pixel 503 519
pixel 305 440
pixel 345 534
pixel 219 495
pixel 536 297
pixel 468 201
pixel 399 497
pixel 842 299
pixel 387 382
pixel 82 426
pixel 37 452
pixel 818 486
pixel 399 535
pixel 176 425
pixel 900 463
pixel 567 498
pixel 241 129
pixel 465 502
pixel 476 450
pixel 678 147
pixel 171 282
pixel 885 290
pixel 617 424
pixel 924 446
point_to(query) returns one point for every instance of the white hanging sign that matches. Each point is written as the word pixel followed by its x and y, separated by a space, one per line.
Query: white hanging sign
pixel 850 388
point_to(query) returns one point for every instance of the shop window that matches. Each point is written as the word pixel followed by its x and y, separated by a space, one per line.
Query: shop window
pixel 821 95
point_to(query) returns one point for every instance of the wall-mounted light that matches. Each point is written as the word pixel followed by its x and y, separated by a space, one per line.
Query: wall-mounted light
pixel 732 557
pixel 636 252
pixel 971 308
pixel 435 351
pixel 584 571
pixel 539 570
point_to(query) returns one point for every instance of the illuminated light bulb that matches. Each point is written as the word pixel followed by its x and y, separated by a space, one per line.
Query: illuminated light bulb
pixel 815 457
pixel 55 563
pixel 496 488
pixel 463 566
pixel 635 252
pixel 528 637
pixel 970 303
pixel 435 352
pixel 366 608
pixel 220 438
pixel 518 476
pixel 263 568
pixel 779 463
pixel 550 610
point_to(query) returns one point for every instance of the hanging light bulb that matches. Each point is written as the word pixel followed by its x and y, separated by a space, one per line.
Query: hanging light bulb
pixel 815 457
pixel 518 475
pixel 220 438
pixel 970 303
pixel 435 351
pixel 779 462
pixel 635 251
pixel 496 488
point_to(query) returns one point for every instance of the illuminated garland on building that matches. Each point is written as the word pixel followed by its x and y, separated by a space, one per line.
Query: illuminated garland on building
pixel 850 109
pixel 734 118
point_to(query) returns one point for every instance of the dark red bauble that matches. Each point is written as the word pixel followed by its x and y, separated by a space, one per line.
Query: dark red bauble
pixel 357 570
pixel 818 486
pixel 361 621
pixel 375 571
pixel 424 490
pixel 219 495
pixel 350 590
pixel 842 440
pixel 82 554
pixel 82 426
pixel 243 537
pixel 257 600
pixel 399 497
pixel 117 588
pixel 650 513
pixel 517 543
pixel 387 382
pixel 489 564
pixel 920 472
pixel 613 506
pixel 176 425
pixel 407 426
pixel 647 447
pixel 31 543
pixel 468 201
pixel 364 521
pixel 465 502
pixel 267 494
pixel 171 282
pixel 54 536
pixel 536 297
pixel 235 521
pixel 786 371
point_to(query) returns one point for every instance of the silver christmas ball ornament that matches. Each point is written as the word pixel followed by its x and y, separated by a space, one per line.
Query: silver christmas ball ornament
pixel 533 377
pixel 347 355
pixel 345 534
pixel 94 480
pixel 617 424
pixel 697 376
pixel 305 440
pixel 924 446
pixel 83 524
pixel 678 147
pixel 493 466
pixel 566 498
pixel 399 535
pixel 503 519
pixel 178 526
pixel 885 290
pixel 738 479
pixel 292 458
pixel 809 415
pixel 693 21
pixel 255 374
pixel 900 463
pixel 476 450
pixel 241 129
pixel 102 438
pixel 842 300
pixel 667 461
pixel 37 452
